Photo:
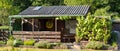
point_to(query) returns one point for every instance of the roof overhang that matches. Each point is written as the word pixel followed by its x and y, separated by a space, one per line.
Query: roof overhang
pixel 37 16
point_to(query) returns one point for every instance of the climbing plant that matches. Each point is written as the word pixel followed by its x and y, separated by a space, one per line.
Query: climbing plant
pixel 93 28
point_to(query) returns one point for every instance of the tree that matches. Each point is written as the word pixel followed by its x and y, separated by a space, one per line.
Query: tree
pixel 115 6
pixel 5 8
pixel 47 2
pixel 95 4
pixel 20 5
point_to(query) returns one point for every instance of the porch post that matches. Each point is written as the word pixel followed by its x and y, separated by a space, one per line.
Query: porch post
pixel 32 28
pixel 55 24
pixel 10 26
pixel 32 24
pixel 22 24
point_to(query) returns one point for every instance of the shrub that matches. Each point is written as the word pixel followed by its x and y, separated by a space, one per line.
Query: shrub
pixel 18 42
pixel 1 42
pixel 10 42
pixel 97 45
pixel 93 29
pixel 29 42
pixel 49 45
pixel 44 44
pixel 40 45
pixel 11 37
pixel 63 46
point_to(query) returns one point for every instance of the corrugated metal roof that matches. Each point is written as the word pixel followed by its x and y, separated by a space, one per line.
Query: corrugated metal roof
pixel 57 10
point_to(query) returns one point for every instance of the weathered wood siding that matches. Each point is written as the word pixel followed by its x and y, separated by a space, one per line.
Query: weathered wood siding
pixel 38 35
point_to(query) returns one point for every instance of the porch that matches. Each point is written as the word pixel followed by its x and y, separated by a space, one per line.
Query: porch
pixel 38 29
pixel 51 36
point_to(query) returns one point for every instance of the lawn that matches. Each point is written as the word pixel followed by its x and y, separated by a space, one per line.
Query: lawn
pixel 29 49
pixel 37 49
pixel 95 50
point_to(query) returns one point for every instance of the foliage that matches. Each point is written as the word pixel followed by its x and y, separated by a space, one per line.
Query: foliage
pixel 64 18
pixel 8 48
pixel 10 42
pixel 17 42
pixel 5 9
pixel 93 28
pixel 40 44
pixel 5 27
pixel 95 4
pixel 63 46
pixel 104 12
pixel 49 45
pixel 114 4
pixel 97 45
pixel 29 42
pixel 47 2
pixel 20 5
pixel 17 25
pixel 1 42
pixel 44 44
pixel 11 37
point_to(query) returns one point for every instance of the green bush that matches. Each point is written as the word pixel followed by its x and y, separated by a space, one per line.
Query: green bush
pixel 18 42
pixel 63 46
pixel 97 45
pixel 93 29
pixel 40 45
pixel 11 37
pixel 44 44
pixel 29 42
pixel 1 42
pixel 10 42
pixel 49 45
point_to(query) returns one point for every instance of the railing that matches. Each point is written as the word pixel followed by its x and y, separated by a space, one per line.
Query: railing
pixel 51 36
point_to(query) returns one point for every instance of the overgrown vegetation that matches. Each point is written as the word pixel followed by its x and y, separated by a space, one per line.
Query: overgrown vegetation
pixel 41 44
pixel 47 45
pixel 17 42
pixel 93 29
pixel 97 45
pixel 10 41
pixel 29 42
pixel 1 42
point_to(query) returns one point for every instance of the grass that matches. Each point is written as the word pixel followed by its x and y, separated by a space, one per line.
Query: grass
pixel 95 50
pixel 37 49
pixel 29 49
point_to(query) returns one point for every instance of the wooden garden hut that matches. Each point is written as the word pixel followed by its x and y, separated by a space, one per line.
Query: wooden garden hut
pixel 41 23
